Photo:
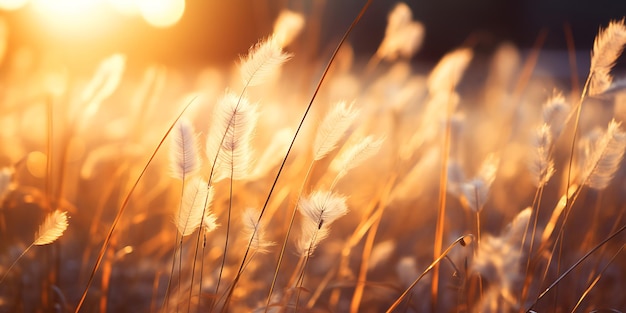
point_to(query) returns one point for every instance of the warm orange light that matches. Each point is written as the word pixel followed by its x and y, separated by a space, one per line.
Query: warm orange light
pixel 125 7
pixel 162 13
pixel 70 17
pixel 12 4
pixel 66 8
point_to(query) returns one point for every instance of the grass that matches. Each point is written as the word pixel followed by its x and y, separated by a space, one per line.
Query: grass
pixel 473 186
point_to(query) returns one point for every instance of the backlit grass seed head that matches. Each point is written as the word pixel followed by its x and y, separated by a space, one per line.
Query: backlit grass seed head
pixel 184 158
pixel 254 231
pixel 210 221
pixel 403 36
pixel 287 27
pixel 332 129
pixel 311 236
pixel 323 207
pixel 197 198
pixel 229 137
pixel 541 164
pixel 448 72
pixel 555 113
pixel 51 229
pixel 476 190
pixel 104 82
pixel 262 62
pixel 498 258
pixel 607 47
pixel 355 155
pixel 273 154
pixel 320 209
pixel 604 157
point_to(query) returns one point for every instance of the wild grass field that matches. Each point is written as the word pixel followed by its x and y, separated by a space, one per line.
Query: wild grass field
pixel 348 184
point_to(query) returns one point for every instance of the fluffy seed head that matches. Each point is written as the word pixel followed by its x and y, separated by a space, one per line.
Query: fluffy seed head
pixel 263 60
pixel 184 159
pixel 333 127
pixel 604 157
pixel 607 47
pixel 287 27
pixel 52 228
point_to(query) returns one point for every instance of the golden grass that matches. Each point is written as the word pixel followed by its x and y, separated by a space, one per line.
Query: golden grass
pixel 519 183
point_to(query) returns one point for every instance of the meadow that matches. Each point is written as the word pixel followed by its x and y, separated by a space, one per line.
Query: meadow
pixel 344 184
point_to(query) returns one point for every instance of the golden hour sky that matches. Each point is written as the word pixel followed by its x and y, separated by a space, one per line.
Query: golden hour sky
pixel 184 33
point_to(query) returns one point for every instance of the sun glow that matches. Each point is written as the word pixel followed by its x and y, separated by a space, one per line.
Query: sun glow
pixel 12 4
pixel 70 17
pixel 66 8
pixel 72 13
pixel 162 13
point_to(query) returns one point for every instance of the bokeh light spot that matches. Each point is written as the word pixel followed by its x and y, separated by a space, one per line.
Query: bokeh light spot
pixel 36 164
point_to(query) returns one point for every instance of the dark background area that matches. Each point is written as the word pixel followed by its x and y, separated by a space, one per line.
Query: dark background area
pixel 214 32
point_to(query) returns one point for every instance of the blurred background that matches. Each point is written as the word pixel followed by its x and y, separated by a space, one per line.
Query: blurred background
pixel 183 33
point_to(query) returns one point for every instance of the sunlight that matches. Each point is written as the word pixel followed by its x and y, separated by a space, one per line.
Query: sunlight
pixel 12 4
pixel 162 13
pixel 70 18
pixel 63 9
pixel 125 7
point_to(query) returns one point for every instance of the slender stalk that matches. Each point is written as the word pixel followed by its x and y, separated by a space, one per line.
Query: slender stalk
pixel 595 281
pixel 441 208
pixel 282 165
pixel 360 283
pixel 13 264
pixel 286 240
pixel 118 216
pixel 460 240
pixel 582 259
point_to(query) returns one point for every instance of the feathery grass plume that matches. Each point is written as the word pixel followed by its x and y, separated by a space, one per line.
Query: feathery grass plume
pixel 210 220
pixel 607 47
pixel 476 190
pixel 555 113
pixel 355 154
pixel 541 164
pixel 262 61
pixel 51 229
pixel 184 159
pixel 312 235
pixel 448 72
pixel 323 207
pixel 604 157
pixel 287 27
pixel 403 36
pixel 195 196
pixel 272 154
pixel 103 84
pixel 96 160
pixel 320 209
pixel 234 121
pixel 430 125
pixel 381 253
pixel 6 178
pixel 498 262
pixel 254 231
pixel 333 127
